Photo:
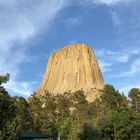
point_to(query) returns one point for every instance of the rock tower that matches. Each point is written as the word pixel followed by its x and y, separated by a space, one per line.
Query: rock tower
pixel 73 68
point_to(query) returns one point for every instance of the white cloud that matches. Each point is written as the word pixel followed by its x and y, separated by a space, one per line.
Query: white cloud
pixel 20 22
pixel 127 88
pixel 119 56
pixel 118 10
pixel 107 60
pixel 20 87
pixel 105 66
pixel 134 69
pixel 122 56
pixel 108 2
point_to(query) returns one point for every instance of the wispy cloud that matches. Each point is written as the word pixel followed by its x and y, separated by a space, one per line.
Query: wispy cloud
pixel 121 56
pixel 20 87
pixel 115 18
pixel 127 88
pixel 108 2
pixel 105 66
pixel 108 60
pixel 133 71
pixel 20 22
pixel 128 28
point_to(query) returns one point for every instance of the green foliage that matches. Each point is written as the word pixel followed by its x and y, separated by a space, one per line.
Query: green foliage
pixel 134 95
pixel 70 116
pixel 4 79
pixel 111 98
pixel 23 119
pixel 63 105
pixel 119 125
pixel 14 116
pixel 35 109
pixel 7 111
pixel 66 129
pixel 88 132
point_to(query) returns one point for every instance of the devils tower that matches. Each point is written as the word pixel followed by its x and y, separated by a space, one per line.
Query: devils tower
pixel 73 68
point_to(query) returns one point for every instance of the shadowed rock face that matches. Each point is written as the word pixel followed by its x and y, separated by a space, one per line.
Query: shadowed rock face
pixel 72 68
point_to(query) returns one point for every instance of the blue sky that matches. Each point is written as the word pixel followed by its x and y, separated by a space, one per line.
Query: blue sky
pixel 30 31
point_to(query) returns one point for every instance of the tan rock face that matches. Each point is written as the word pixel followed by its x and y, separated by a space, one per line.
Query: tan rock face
pixel 72 68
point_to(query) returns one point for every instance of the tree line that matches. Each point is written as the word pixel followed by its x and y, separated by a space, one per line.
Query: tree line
pixel 70 116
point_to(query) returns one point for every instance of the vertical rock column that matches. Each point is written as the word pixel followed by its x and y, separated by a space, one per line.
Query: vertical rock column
pixel 72 68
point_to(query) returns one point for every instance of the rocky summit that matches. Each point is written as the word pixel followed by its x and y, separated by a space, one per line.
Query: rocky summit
pixel 73 68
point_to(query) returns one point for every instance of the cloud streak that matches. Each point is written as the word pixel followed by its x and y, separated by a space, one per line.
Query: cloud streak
pixel 20 22
pixel 108 2
pixel 122 56
pixel 134 69
pixel 127 88
pixel 105 66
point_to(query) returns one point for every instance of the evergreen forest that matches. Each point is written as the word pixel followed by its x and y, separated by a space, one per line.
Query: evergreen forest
pixel 70 116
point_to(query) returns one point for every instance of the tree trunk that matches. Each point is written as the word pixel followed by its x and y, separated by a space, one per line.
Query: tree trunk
pixel 114 131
